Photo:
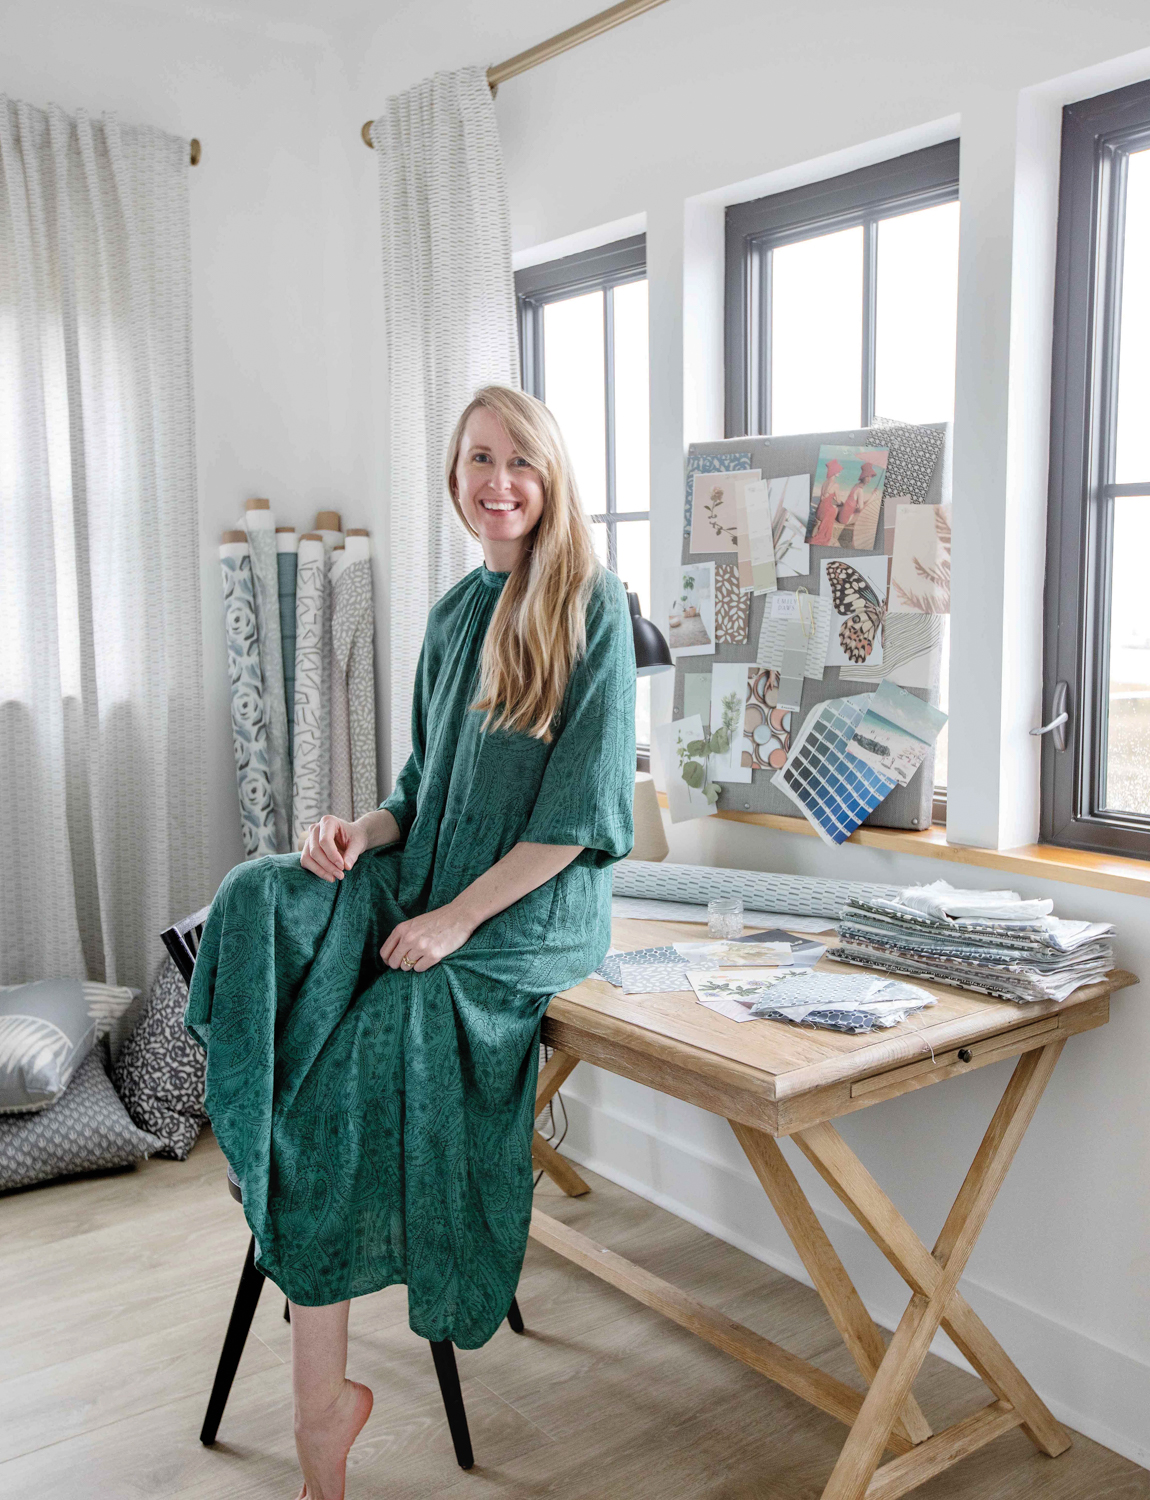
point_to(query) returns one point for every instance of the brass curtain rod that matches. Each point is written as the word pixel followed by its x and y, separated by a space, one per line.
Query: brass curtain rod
pixel 596 25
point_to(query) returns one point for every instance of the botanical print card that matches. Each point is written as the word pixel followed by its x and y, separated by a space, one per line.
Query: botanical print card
pixel 709 463
pixel 691 618
pixel 847 497
pixel 920 574
pixel 896 732
pixel 732 995
pixel 790 503
pixel 760 537
pixel 728 702
pixel 732 607
pixel 856 594
pixel 714 510
pixel 683 772
pixel 766 726
pixel 911 652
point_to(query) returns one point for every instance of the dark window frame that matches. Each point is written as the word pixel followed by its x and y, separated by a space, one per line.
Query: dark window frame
pixel 886 190
pixel 1097 135
pixel 601 269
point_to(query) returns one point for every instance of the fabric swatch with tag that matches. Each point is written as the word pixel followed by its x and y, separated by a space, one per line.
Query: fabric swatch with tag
pixel 773 635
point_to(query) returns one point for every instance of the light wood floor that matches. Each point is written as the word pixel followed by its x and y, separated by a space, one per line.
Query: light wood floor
pixel 115 1292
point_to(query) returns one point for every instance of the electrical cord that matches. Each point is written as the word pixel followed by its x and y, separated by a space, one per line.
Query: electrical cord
pixel 557 1136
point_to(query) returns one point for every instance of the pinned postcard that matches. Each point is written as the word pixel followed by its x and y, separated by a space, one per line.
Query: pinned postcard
pixel 691 618
pixel 847 497
pixel 681 747
pixel 790 503
pixel 760 536
pixel 920 574
pixel 911 652
pixel 856 593
pixel 714 510
pixel 766 725
pixel 732 607
pixel 727 708
pixel 896 732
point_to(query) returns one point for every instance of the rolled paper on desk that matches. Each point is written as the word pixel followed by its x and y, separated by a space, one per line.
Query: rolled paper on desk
pixel 287 558
pixel 311 762
pixel 249 734
pixel 353 663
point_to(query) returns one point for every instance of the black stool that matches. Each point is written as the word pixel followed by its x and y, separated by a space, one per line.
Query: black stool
pixel 182 940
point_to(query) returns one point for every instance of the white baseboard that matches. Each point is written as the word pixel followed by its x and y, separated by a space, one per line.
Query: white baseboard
pixel 1098 1390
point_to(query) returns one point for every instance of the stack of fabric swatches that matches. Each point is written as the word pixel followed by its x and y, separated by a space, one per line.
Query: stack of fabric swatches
pixel 990 941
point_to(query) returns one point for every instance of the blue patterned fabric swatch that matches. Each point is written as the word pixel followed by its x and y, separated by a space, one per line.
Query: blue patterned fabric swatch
pixel 609 968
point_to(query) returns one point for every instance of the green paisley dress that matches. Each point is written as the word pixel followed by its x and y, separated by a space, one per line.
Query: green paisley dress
pixel 379 1121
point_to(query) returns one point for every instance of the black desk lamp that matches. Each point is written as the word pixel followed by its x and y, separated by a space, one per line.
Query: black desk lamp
pixel 652 654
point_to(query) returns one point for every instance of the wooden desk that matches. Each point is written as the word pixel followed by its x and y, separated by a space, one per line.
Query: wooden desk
pixel 770 1079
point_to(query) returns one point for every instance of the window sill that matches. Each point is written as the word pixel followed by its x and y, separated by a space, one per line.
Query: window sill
pixel 1107 872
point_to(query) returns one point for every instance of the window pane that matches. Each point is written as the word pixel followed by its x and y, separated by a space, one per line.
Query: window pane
pixel 599 537
pixel 632 400
pixel 1128 737
pixel 1132 460
pixel 633 547
pixel 574 382
pixel 816 333
pixel 916 299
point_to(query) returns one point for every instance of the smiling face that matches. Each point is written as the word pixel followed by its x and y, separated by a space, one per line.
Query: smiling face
pixel 500 493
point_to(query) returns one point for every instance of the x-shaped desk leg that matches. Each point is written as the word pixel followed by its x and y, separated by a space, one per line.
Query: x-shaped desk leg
pixel 933 1278
pixel 557 1167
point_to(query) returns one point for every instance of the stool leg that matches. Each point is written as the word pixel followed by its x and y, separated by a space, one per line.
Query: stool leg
pixel 243 1310
pixel 515 1317
pixel 443 1353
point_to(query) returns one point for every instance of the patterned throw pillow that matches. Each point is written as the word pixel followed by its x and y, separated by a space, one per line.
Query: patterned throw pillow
pixel 86 1129
pixel 45 1034
pixel 160 1071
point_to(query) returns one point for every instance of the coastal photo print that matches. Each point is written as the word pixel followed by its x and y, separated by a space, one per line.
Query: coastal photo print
pixel 846 497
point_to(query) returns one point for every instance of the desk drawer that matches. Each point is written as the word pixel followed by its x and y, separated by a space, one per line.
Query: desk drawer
pixel 956 1059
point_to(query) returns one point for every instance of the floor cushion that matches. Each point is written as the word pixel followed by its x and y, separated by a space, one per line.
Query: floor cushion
pixel 46 1032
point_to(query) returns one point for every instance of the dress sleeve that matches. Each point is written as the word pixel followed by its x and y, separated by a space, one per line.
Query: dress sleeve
pixel 588 789
pixel 402 802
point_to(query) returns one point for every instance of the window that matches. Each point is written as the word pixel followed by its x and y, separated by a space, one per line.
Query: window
pixel 1096 770
pixel 841 304
pixel 583 350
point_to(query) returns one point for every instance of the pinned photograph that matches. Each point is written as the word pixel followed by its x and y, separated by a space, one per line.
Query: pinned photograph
pixel 790 503
pixel 856 591
pixel 920 574
pixel 715 510
pixel 896 732
pixel 691 617
pixel 681 746
pixel 847 497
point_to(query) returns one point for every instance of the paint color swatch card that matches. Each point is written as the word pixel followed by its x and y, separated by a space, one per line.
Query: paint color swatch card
pixel 760 539
pixel 813 613
pixel 832 789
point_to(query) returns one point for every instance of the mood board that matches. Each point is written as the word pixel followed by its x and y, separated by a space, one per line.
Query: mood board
pixel 906 641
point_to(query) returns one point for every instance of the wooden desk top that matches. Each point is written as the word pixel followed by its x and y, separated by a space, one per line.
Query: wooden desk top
pixel 781 1077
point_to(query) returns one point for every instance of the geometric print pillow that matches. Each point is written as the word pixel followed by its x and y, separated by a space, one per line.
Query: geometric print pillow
pixel 160 1071
pixel 86 1129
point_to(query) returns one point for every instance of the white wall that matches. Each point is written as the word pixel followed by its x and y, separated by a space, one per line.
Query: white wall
pixel 662 123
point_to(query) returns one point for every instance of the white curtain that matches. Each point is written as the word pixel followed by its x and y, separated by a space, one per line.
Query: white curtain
pixel 451 327
pixel 103 795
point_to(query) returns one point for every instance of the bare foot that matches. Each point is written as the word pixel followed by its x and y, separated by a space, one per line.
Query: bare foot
pixel 323 1442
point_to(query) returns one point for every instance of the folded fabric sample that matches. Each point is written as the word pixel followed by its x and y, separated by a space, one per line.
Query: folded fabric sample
pixel 86 1129
pixel 942 900
pixel 609 968
pixel 46 1032
pixel 653 979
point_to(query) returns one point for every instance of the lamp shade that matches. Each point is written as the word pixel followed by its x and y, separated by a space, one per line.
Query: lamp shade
pixel 652 654
pixel 650 835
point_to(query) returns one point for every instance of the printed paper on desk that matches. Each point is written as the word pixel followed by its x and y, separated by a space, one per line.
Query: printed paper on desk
pixel 714 510
pixel 920 575
pixel 673 743
pixel 760 541
pixel 727 713
pixel 855 592
pixel 897 731
pixel 734 954
pixel 732 995
pixel 691 618
pixel 790 502
pixel 815 611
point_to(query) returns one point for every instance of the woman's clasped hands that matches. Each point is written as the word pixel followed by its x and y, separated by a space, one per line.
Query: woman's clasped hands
pixel 332 847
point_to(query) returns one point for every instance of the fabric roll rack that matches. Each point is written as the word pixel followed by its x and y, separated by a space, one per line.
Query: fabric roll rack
pixel 300 626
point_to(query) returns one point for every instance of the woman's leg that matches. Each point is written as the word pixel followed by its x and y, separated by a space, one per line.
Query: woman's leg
pixel 329 1408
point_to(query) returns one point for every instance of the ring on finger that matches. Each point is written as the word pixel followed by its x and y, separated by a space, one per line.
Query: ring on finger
pixel 407 963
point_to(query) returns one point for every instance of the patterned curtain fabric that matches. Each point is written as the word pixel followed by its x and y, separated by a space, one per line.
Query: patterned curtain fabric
pixel 103 796
pixel 450 298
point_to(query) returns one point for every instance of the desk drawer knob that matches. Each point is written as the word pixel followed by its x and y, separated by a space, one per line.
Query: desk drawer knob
pixel 964 1054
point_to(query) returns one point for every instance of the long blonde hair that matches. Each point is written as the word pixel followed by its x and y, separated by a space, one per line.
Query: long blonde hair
pixel 539 628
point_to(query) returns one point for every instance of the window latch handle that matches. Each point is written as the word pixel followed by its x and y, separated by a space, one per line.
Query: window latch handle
pixel 1057 725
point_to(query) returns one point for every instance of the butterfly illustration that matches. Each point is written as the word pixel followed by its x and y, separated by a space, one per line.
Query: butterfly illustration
pixel 853 596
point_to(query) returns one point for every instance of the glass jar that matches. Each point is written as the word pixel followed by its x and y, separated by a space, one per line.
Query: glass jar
pixel 725 917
